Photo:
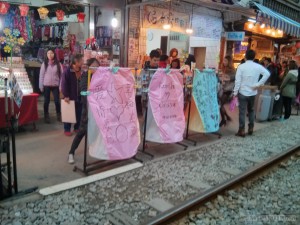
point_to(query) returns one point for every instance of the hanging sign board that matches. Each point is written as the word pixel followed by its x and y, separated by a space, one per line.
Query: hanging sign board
pixel 235 36
pixel 155 17
pixel 113 128
pixel 205 114
pixel 165 119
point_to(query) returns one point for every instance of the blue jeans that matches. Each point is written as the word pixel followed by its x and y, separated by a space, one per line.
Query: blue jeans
pixel 78 110
pixel 55 92
pixel 246 103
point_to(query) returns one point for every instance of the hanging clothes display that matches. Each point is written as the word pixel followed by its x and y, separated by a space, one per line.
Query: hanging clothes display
pixel 165 119
pixel 205 114
pixel 113 127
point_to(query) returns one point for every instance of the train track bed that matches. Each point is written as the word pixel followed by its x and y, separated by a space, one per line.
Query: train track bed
pixel 140 195
pixel 270 198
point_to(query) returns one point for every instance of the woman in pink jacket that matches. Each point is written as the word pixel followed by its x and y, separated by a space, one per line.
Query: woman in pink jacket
pixel 50 75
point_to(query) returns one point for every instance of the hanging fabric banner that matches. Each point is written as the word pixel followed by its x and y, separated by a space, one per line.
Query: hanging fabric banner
pixel 113 128
pixel 205 114
pixel 165 119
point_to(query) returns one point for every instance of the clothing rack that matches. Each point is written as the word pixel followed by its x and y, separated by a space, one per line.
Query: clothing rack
pixel 54 24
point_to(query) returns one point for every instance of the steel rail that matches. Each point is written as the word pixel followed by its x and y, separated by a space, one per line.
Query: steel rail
pixel 200 198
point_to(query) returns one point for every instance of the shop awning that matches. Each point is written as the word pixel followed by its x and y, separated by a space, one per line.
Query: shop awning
pixel 279 21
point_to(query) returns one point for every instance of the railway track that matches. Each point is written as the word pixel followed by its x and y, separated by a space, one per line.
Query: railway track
pixel 180 211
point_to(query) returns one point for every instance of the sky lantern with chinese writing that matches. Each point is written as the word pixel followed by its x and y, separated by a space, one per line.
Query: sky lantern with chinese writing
pixel 43 12
pixel 60 15
pixel 80 17
pixel 23 9
pixel 4 6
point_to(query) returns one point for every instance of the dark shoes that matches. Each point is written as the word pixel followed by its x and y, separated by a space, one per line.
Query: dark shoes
pixel 250 130
pixel 241 133
pixel 47 118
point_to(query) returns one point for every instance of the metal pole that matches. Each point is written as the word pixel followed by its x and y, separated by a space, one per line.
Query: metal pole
pixel 13 140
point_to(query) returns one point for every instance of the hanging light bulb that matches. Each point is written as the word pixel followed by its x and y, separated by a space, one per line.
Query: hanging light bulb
pixel 262 26
pixel 268 31
pixel 190 29
pixel 167 26
pixel 250 25
pixel 279 31
pixel 114 21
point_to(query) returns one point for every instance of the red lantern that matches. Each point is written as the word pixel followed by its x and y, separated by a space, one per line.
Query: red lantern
pixel 24 9
pixel 4 6
pixel 60 15
pixel 80 17
pixel 298 44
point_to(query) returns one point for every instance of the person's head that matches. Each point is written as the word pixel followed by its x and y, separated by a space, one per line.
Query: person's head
pixel 159 50
pixel 164 58
pixel 284 64
pixel 189 60
pixel 154 58
pixel 175 64
pixel 267 61
pixel 92 62
pixel 293 65
pixel 77 61
pixel 174 53
pixel 51 55
pixel 250 54
pixel 227 62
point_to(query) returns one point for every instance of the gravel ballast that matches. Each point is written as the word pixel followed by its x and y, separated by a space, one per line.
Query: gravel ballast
pixel 168 179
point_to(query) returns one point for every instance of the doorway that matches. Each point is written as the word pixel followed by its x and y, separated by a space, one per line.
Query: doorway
pixel 164 44
pixel 200 54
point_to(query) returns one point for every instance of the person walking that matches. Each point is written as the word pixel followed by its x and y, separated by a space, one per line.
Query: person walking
pixel 288 88
pixel 228 73
pixel 93 62
pixel 245 89
pixel 50 76
pixel 70 88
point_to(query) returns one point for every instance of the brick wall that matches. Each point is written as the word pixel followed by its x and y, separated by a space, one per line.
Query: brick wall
pixel 133 33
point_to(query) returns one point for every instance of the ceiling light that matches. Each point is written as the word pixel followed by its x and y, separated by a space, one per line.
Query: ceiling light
pixel 189 31
pixel 252 20
pixel 268 31
pixel 262 26
pixel 167 26
pixel 251 25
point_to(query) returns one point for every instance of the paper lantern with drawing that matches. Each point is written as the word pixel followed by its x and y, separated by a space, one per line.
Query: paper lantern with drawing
pixel 43 12
pixel 23 9
pixel 4 6
pixel 60 14
pixel 113 127
pixel 165 120
pixel 80 17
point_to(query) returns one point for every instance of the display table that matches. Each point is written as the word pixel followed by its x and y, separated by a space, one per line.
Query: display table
pixel 28 111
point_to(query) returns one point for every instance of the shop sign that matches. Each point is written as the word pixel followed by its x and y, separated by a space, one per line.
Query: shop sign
pixel 235 36
pixel 156 17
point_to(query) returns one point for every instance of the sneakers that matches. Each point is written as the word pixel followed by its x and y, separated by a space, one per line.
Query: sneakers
pixel 250 130
pixel 71 159
pixel 68 133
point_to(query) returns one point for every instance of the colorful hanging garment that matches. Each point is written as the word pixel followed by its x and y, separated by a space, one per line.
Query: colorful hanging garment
pixel 113 128
pixel 205 114
pixel 165 119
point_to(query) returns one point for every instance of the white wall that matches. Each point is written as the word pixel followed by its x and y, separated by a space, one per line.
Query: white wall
pixel 155 42
pixel 212 49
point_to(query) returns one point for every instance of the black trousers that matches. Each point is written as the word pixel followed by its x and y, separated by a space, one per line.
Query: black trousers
pixel 287 104
pixel 82 130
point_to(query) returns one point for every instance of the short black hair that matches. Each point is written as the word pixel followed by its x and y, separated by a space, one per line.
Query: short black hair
pixel 76 58
pixel 250 54
pixel 154 54
pixel 268 59
pixel 90 61
pixel 163 58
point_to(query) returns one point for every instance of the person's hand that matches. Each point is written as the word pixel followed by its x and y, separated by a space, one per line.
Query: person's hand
pixel 67 100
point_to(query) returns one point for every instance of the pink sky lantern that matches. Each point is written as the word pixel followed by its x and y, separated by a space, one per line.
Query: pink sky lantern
pixel 80 17
pixel 60 15
pixel 4 6
pixel 24 9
